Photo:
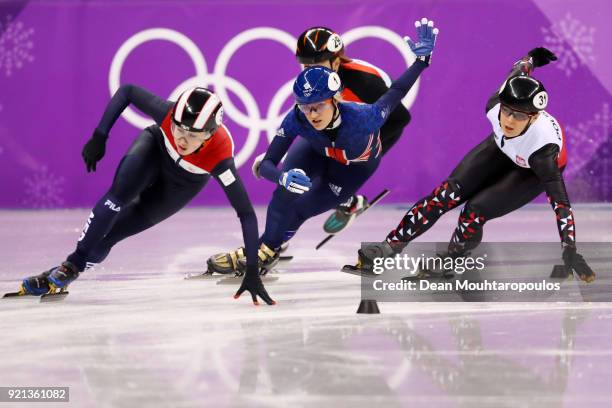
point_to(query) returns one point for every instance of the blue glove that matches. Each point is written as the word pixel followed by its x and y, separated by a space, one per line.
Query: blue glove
pixel 426 40
pixel 296 181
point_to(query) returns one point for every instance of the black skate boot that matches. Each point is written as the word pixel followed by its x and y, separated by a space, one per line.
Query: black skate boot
pixel 345 214
pixel 61 277
pixel 366 256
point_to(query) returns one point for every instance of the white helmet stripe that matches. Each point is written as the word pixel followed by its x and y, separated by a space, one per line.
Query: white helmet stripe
pixel 206 111
pixel 180 105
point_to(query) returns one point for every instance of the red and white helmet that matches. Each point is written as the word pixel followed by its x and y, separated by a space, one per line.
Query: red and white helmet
pixel 198 110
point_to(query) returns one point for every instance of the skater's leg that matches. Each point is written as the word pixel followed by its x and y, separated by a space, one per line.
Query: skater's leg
pixel 281 207
pixel 480 167
pixel 158 202
pixel 138 169
pixel 517 188
pixel 336 185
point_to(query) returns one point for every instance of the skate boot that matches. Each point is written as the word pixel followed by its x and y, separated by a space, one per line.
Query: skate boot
pixel 225 263
pixel 47 283
pixel 448 257
pixel 36 285
pixel 366 256
pixel 61 277
pixel 345 214
pixel 267 259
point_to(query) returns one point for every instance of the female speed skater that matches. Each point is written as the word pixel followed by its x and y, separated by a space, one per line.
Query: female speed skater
pixel 337 150
pixel 164 169
pixel 361 82
pixel 524 156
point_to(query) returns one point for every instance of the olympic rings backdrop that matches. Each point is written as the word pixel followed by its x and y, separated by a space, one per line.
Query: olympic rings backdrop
pixel 60 62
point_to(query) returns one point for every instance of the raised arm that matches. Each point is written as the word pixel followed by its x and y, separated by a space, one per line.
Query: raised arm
pixel 147 102
pixel 537 57
pixel 423 49
pixel 373 87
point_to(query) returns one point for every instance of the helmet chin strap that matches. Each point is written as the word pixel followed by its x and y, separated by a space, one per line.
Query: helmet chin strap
pixel 336 119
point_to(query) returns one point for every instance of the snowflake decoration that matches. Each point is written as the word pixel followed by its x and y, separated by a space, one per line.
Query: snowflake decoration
pixel 571 41
pixel 586 137
pixel 15 45
pixel 43 190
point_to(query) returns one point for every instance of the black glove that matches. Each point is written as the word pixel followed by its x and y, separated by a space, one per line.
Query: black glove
pixel 576 263
pixel 252 283
pixel 94 150
pixel 541 56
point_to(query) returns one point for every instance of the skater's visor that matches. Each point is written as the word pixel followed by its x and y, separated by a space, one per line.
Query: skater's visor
pixel 190 135
pixel 315 107
pixel 518 115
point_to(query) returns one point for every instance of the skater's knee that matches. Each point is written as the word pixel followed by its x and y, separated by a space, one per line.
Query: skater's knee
pixel 446 196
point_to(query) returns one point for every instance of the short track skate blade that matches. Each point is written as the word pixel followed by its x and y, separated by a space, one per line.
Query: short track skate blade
pixel 202 276
pixel 285 258
pixel 16 295
pixel 354 270
pixel 237 280
pixel 53 297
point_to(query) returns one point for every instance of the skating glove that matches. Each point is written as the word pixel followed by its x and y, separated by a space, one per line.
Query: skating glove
pixel 576 263
pixel 541 56
pixel 296 181
pixel 94 150
pixel 426 40
pixel 253 284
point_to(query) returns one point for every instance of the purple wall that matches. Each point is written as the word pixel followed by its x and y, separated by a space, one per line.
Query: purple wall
pixel 56 59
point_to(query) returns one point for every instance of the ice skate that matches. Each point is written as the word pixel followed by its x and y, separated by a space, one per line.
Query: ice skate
pixel 267 258
pixel 50 285
pixel 345 214
pixel 224 263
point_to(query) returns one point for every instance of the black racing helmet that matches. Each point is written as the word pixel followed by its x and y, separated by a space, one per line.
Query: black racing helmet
pixel 198 110
pixel 524 94
pixel 318 44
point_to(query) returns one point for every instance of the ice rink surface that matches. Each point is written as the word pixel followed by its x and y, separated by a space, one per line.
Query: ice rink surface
pixel 133 333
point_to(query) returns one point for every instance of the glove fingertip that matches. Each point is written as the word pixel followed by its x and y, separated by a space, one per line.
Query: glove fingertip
pixel 436 31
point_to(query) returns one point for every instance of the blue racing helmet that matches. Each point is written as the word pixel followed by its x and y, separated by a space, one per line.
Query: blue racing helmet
pixel 315 84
